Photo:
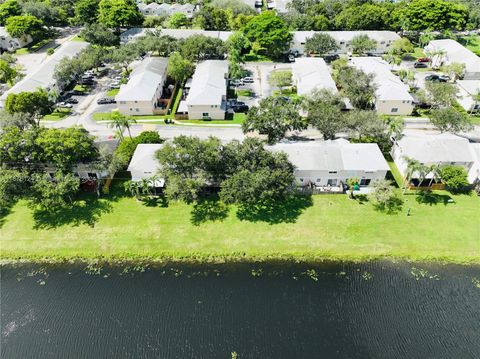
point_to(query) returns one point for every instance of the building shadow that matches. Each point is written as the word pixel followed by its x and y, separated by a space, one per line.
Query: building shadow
pixel 430 198
pixel 209 209
pixel 274 212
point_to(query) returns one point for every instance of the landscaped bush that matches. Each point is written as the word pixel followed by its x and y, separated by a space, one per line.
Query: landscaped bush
pixel 126 148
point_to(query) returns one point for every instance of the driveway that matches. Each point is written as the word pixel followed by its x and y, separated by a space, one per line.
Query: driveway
pixel 261 71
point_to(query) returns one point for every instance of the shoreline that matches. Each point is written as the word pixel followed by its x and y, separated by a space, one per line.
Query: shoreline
pixel 236 260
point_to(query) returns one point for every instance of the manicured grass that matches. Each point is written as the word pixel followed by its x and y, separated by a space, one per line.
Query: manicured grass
pixel 396 173
pixel 475 119
pixel 57 115
pixel 112 92
pixel 244 92
pixel 78 38
pixel 82 88
pixel 107 116
pixel 238 119
pixel 472 43
pixel 32 47
pixel 325 227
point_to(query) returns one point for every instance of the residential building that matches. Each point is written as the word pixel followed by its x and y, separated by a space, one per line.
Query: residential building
pixel 281 6
pixel 140 95
pixel 310 73
pixel 343 38
pixel 331 163
pixel 43 76
pixel 392 96
pixel 474 173
pixel 208 93
pixel 447 51
pixel 135 33
pixel 439 149
pixel 467 95
pixel 9 43
pixel 144 164
pixel 155 9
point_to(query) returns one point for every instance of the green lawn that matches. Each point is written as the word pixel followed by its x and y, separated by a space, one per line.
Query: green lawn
pixel 82 88
pixel 238 119
pixel 57 115
pixel 112 92
pixel 32 47
pixel 78 38
pixel 472 42
pixel 324 227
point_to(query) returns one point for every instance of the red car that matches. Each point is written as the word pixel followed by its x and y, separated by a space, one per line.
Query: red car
pixel 423 59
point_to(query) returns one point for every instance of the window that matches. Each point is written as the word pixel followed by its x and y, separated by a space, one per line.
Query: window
pixel 136 110
pixel 205 114
pixel 318 180
pixel 123 102
pixel 332 182
pixel 92 175
pixel 301 179
pixel 365 181
pixel 332 171
pixel 395 109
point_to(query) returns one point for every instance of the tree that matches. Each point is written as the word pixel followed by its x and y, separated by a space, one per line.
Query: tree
pixel 413 167
pixel 44 11
pixel 66 147
pixel 455 70
pixel 268 34
pixel 362 43
pixel 8 9
pixel 324 112
pixel 237 44
pixel 440 94
pixel 401 47
pixel 455 178
pixel 213 18
pixel 121 123
pixel 54 194
pixel 37 104
pixel 433 15
pixel 200 47
pixel 86 11
pixel 352 183
pixel 357 86
pixel 363 17
pixel 321 44
pixel 24 25
pixel 7 73
pixel 177 21
pixel 280 79
pixel 367 126
pixel 179 69
pixel 384 197
pixel 98 34
pixel 449 119
pixel 274 116
pixel 115 14
pixel 12 187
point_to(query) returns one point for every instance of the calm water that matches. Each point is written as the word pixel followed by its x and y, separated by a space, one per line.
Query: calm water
pixel 375 310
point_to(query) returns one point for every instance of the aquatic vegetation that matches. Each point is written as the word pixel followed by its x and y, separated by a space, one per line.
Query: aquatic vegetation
pixel 367 276
pixel 257 272
pixel 312 274
pixel 476 282
pixel 419 273
pixel 93 268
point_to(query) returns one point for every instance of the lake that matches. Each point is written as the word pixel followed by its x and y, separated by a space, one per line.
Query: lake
pixel 370 310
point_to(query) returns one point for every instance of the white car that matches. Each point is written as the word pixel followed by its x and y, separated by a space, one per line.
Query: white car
pixel 64 105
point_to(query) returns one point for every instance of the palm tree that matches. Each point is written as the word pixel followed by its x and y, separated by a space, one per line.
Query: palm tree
pixel 435 171
pixel 412 166
pixel 121 122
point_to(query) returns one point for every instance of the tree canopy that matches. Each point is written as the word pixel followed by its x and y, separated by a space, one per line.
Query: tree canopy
pixel 119 13
pixel 22 25
pixel 321 44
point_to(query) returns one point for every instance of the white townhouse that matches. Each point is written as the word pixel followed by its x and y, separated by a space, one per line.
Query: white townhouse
pixel 392 96
pixel 343 38
pixel 9 43
pixel 207 96
pixel 144 164
pixel 437 149
pixel 311 73
pixel 155 9
pixel 136 33
pixel 447 51
pixel 43 76
pixel 140 95
pixel 468 90
pixel 330 163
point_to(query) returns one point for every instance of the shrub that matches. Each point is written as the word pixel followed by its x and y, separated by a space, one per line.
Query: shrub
pixel 454 178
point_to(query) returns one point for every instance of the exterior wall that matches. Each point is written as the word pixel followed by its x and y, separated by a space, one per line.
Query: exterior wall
pixel 11 44
pixel 136 108
pixel 215 112
pixel 403 107
pixel 321 178
pixel 344 46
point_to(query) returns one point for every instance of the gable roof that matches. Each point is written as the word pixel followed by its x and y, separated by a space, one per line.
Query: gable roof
pixel 338 155
pixel 347 36
pixel 144 164
pixel 312 73
pixel 144 80
pixel 436 148
pixel 455 52
pixel 208 83
pixel 389 86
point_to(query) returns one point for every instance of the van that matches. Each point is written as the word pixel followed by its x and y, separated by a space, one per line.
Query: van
pixel 248 80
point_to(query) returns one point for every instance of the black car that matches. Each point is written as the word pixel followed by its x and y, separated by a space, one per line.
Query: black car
pixel 240 108
pixel 437 78
pixel 71 100
pixel 420 65
pixel 105 101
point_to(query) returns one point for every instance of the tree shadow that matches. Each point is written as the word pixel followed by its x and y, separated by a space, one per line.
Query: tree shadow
pixel 157 201
pixel 86 211
pixel 361 198
pixel 4 212
pixel 274 212
pixel 208 209
pixel 392 206
pixel 430 198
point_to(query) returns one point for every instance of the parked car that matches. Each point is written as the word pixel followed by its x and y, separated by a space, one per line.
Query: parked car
pixel 71 100
pixel 240 108
pixel 236 82
pixel 248 80
pixel 437 78
pixel 420 65
pixel 105 100
pixel 64 105
pixel 114 85
pixel 423 59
